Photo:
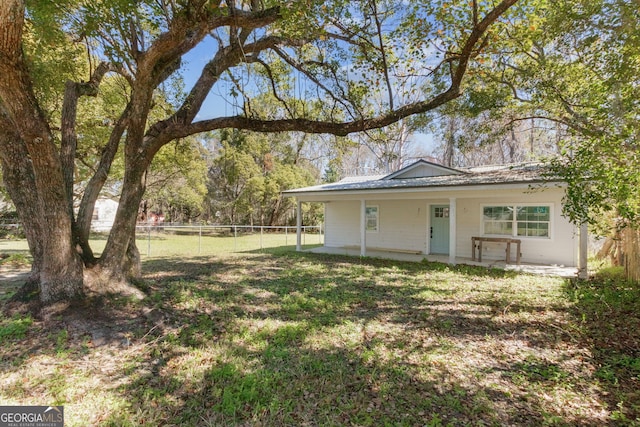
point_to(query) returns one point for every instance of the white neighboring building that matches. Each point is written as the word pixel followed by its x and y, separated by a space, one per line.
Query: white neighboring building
pixel 104 213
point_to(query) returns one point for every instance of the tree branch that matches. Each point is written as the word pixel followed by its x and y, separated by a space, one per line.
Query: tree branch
pixel 224 59
pixel 186 32
pixel 274 89
pixel 175 130
pixel 310 126
pixel 69 139
pixel 300 67
pixel 96 183
pixel 383 53
pixel 470 45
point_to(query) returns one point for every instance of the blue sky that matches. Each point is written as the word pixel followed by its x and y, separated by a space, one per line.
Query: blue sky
pixel 193 62
pixel 219 102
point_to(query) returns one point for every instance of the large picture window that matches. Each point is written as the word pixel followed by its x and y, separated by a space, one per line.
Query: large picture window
pixel 372 219
pixel 517 220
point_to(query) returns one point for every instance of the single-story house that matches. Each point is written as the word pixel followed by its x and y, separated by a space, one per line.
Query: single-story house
pixel 511 213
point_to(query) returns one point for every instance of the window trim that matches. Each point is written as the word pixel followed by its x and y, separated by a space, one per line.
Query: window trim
pixel 514 221
pixel 377 218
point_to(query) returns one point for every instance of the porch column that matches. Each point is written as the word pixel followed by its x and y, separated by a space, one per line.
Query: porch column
pixel 584 239
pixel 299 226
pixel 452 231
pixel 363 227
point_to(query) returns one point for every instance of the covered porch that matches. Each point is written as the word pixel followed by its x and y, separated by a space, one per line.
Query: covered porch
pixel 510 213
pixel 452 257
pixel 539 269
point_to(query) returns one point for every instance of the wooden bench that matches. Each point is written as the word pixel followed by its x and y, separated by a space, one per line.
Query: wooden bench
pixel 506 240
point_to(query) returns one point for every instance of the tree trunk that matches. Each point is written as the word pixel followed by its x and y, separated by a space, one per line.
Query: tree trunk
pixel 631 245
pixel 18 174
pixel 120 261
pixel 32 163
pixel 606 248
pixel 612 248
pixel 447 159
pixel 56 266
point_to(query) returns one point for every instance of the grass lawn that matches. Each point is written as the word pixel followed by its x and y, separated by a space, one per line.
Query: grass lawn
pixel 279 338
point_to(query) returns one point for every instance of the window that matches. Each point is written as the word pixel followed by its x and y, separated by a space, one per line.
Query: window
pixel 441 212
pixel 498 220
pixel 371 216
pixel 533 221
pixel 520 221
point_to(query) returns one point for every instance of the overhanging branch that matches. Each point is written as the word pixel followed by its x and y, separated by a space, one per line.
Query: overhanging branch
pixel 310 126
pixel 470 49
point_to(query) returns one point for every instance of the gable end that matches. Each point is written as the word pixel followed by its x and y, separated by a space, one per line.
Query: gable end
pixel 422 169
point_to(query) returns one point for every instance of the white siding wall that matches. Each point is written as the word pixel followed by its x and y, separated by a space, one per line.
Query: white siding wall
pixel 105 211
pixel 403 225
pixel 560 249
pixel 342 224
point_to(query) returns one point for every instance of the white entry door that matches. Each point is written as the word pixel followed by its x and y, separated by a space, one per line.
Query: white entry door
pixel 439 230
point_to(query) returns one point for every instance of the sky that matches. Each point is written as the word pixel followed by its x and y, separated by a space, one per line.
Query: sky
pixel 218 102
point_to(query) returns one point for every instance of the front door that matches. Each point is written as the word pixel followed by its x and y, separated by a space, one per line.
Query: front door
pixel 439 229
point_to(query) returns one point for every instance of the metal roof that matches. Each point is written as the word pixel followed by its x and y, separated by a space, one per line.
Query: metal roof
pixel 487 175
pixel 441 170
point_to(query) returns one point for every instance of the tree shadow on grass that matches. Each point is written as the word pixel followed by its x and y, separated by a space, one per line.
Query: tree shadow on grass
pixel 607 312
pixel 335 292
pixel 295 340
pixel 257 334
pixel 187 268
pixel 290 251
pixel 288 382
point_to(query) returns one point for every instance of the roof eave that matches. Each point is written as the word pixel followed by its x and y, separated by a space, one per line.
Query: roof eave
pixel 416 189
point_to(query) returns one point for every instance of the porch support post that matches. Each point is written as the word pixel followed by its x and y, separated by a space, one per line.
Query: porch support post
pixel 363 227
pixel 584 238
pixel 299 226
pixel 452 231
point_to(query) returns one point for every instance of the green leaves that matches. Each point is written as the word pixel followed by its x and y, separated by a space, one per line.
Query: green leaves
pixel 248 175
pixel 601 90
pixel 52 54
pixel 571 69
pixel 176 181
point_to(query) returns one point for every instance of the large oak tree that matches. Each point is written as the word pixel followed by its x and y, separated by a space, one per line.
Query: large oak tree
pixel 327 53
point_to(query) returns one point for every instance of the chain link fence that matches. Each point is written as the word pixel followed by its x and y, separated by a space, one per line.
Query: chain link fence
pixel 212 239
pixel 189 240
